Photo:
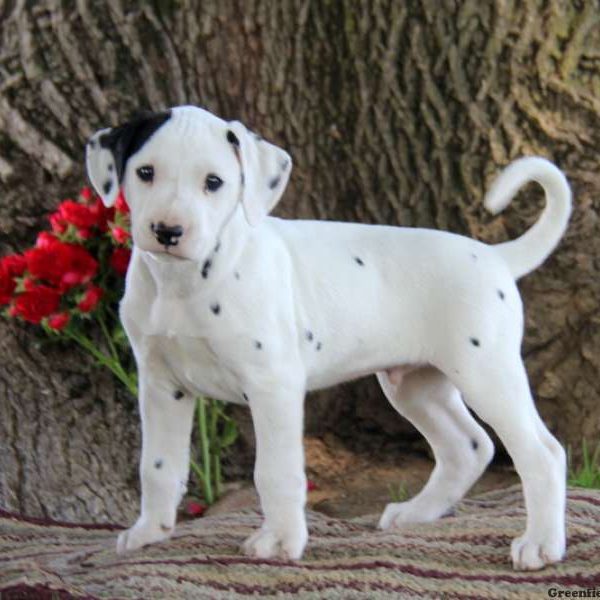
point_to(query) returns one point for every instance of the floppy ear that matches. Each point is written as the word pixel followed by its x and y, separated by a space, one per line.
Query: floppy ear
pixel 108 151
pixel 101 168
pixel 266 170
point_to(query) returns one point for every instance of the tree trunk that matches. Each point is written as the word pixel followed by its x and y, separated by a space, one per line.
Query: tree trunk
pixel 394 112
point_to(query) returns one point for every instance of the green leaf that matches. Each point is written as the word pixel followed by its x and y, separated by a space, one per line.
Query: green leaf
pixel 229 435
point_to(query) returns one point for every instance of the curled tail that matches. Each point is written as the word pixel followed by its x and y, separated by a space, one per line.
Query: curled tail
pixel 529 251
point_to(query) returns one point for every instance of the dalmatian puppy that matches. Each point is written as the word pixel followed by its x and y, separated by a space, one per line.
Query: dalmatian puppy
pixel 225 301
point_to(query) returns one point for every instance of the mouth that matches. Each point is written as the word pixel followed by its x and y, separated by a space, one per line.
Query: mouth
pixel 164 256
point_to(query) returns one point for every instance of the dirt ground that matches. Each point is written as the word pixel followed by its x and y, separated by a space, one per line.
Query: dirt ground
pixel 344 483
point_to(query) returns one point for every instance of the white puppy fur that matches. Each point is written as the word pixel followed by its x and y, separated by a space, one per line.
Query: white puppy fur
pixel 225 301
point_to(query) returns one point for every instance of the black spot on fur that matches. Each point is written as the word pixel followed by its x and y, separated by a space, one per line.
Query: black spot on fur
pixel 319 346
pixel 232 138
pixel 474 444
pixel 474 341
pixel 309 335
pixel 107 186
pixel 501 294
pixel 359 261
pixel 236 275
pixel 216 308
pixel 245 397
pixel 274 182
pixel 206 268
pixel 125 140
pixel 258 345
pixel 158 463
pixel 178 394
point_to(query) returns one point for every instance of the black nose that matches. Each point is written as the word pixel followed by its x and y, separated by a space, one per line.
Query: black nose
pixel 166 236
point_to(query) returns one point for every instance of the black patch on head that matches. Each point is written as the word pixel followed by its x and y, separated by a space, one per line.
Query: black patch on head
pixel 258 345
pixel 216 308
pixel 125 140
pixel 274 182
pixel 245 397
pixel 206 268
pixel 474 341
pixel 474 444
pixel 309 335
pixel 501 294
pixel 232 138
pixel 319 346
pixel 236 275
pixel 359 261
pixel 178 394
pixel 107 187
pixel 158 463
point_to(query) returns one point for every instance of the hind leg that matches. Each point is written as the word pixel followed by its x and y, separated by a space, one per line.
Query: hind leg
pixel 499 393
pixel 462 449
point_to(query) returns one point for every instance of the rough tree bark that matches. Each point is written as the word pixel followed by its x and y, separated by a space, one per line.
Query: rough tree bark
pixel 394 112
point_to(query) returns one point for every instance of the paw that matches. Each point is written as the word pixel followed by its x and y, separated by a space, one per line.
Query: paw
pixel 288 544
pixel 141 534
pixel 397 514
pixel 529 555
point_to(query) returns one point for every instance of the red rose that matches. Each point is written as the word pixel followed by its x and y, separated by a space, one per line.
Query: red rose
pixel 57 223
pixel 120 235
pixel 119 260
pixel 7 284
pixel 82 266
pixel 86 194
pixel 91 299
pixel 58 321
pixel 35 304
pixel 45 240
pixel 102 214
pixel 63 265
pixel 121 205
pixel 15 264
pixel 11 266
pixel 84 233
pixel 77 214
pixel 194 509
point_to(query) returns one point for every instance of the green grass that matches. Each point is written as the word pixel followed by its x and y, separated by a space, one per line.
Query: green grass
pixel 399 492
pixel 587 475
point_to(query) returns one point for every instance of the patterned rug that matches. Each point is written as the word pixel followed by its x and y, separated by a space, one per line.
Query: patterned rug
pixel 462 556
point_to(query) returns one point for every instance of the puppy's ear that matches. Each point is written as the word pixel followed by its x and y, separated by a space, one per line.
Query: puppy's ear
pixel 266 170
pixel 108 151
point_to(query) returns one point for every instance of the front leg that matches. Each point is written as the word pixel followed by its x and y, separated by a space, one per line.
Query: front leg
pixel 167 417
pixel 277 413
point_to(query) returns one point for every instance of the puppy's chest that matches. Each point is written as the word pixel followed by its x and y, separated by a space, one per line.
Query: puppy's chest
pixel 200 342
pixel 193 363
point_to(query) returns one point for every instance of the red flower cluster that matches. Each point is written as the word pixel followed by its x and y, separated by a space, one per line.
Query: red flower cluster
pixel 64 273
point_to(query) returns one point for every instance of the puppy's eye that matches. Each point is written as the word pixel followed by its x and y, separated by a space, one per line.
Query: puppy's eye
pixel 213 183
pixel 146 173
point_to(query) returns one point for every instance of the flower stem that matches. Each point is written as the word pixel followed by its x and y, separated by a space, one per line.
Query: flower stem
pixel 205 449
pixel 113 364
